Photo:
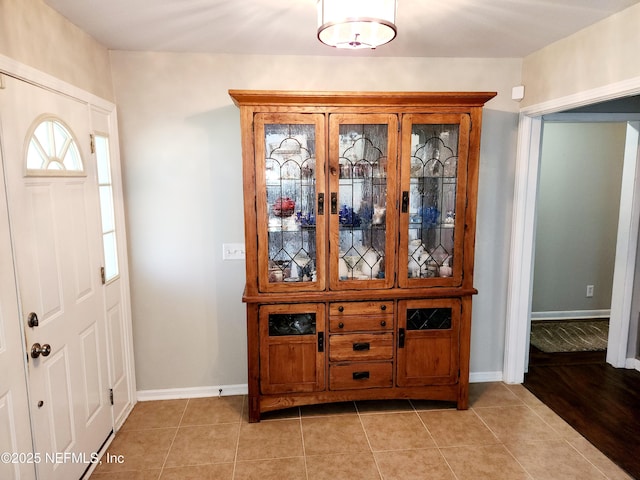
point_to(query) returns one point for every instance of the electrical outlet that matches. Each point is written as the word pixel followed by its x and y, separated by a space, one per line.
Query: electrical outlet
pixel 589 291
pixel 233 251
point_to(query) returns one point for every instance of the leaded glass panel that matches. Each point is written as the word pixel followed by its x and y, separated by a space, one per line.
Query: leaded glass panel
pixel 362 198
pixel 281 324
pixel 290 174
pixel 432 200
pixel 428 318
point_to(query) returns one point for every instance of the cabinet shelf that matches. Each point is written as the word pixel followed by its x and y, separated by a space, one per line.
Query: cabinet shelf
pixel 420 225
pixel 364 226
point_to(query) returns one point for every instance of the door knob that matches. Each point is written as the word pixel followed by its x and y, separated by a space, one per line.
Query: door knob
pixel 37 349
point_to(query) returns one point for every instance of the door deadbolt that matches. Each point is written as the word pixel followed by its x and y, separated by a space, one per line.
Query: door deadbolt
pixel 37 350
pixel 32 320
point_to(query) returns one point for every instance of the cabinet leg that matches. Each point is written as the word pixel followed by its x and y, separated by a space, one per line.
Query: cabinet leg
pixel 463 396
pixel 254 409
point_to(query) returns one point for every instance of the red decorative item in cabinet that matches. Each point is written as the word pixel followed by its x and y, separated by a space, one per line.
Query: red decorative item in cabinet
pixel 284 207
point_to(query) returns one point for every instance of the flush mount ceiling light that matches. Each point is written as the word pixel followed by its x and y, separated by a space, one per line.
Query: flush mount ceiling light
pixel 356 24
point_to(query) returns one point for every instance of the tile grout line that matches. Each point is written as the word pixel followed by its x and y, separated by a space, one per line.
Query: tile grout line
pixel 304 450
pixel 235 456
pixel 364 430
pixel 436 444
pixel 525 404
pixel 500 441
pixel 173 439
pixel 529 474
pixel 589 461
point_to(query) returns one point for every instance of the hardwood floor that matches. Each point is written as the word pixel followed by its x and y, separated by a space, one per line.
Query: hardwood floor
pixel 599 401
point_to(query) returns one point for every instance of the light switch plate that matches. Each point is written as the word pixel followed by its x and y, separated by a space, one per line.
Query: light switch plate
pixel 233 251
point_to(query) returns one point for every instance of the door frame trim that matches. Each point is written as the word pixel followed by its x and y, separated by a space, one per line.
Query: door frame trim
pixel 520 279
pixel 626 250
pixel 37 77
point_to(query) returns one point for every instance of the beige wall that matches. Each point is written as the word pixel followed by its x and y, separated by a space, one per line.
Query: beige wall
pixel 34 34
pixel 180 140
pixel 599 55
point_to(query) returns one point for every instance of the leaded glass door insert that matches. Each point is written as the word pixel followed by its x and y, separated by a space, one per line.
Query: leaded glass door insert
pixel 292 324
pixel 362 188
pixel 432 214
pixel 290 201
pixel 428 318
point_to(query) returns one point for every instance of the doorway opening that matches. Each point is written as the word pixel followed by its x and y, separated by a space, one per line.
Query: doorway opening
pixel 523 232
pixel 578 206
pixel 565 381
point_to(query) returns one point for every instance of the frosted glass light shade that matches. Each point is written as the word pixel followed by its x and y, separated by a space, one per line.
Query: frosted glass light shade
pixel 356 23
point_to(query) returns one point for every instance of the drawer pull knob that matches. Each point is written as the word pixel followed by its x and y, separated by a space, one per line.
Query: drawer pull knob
pixel 383 307
pixel 341 325
pixel 341 308
pixel 383 323
pixel 359 347
pixel 360 375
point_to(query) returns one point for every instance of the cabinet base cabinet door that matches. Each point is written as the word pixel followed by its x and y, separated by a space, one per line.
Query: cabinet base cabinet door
pixel 427 361
pixel 292 358
pixel 428 342
pixel 290 367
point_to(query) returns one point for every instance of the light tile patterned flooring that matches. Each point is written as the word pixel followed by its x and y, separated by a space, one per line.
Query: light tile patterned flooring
pixel 507 434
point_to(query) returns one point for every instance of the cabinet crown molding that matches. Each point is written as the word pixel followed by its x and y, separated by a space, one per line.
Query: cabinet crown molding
pixel 357 98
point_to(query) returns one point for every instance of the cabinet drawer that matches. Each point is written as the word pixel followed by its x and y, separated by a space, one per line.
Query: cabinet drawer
pixel 359 323
pixel 365 346
pixel 360 308
pixel 360 375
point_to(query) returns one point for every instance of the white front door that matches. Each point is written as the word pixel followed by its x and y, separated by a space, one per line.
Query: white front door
pixel 55 227
pixel 15 427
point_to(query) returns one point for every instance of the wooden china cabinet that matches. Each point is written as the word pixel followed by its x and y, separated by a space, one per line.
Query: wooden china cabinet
pixel 360 213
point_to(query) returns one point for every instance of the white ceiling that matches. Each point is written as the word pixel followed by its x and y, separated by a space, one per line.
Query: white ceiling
pixel 426 28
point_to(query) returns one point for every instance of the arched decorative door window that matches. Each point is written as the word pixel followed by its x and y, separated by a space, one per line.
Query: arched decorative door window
pixel 53 150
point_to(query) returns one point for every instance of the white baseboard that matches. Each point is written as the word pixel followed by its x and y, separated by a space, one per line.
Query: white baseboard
pixel 484 377
pixel 632 364
pixel 570 314
pixel 243 389
pixel 192 392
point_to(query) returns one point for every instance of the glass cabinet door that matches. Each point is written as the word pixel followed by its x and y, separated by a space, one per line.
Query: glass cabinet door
pixel 432 200
pixel 290 203
pixel 362 184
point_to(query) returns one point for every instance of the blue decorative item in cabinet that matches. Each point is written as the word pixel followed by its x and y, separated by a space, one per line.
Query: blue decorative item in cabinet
pixel 430 216
pixel 306 220
pixel 348 217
